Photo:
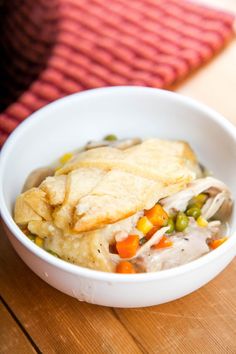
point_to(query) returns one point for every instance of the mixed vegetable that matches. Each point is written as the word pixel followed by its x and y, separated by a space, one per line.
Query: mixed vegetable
pixel 152 221
pixel 177 226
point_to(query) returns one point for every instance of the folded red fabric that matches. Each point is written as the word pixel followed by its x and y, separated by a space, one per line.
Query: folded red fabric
pixel 54 48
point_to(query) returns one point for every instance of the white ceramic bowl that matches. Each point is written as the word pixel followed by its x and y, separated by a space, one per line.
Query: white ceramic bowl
pixel 126 111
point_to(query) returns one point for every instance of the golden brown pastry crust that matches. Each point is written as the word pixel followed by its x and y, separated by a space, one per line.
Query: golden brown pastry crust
pixel 74 210
pixel 160 160
pixel 104 185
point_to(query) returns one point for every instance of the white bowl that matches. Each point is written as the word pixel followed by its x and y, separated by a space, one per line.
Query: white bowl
pixel 126 111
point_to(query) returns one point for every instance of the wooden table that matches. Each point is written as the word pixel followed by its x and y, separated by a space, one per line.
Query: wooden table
pixel 34 317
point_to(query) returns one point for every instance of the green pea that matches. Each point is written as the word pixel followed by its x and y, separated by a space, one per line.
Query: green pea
pixel 202 197
pixel 195 212
pixel 181 222
pixel 171 225
pixel 198 200
pixel 110 137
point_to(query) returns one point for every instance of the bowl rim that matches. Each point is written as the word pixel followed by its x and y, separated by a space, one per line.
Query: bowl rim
pixel 96 274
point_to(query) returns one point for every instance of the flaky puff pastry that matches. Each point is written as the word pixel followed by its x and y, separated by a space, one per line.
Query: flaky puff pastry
pixel 104 185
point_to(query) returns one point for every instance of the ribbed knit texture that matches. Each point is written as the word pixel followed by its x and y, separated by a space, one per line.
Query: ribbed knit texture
pixel 50 49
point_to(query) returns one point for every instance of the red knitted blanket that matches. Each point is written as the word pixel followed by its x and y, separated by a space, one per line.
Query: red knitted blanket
pixel 50 49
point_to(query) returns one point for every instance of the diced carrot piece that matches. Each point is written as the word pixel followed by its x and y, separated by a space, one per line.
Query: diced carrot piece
pixel 157 215
pixel 216 243
pixel 163 243
pixel 128 247
pixel 144 225
pixel 152 232
pixel 125 267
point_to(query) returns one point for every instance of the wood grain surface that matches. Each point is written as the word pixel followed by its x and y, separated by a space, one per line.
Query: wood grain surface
pixel 35 317
pixel 12 338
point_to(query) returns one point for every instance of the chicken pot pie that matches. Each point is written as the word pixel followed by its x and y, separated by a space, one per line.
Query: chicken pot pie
pixel 126 206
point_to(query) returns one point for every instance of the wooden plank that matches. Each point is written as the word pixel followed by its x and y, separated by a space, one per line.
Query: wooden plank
pixel 202 322
pixel 12 339
pixel 57 322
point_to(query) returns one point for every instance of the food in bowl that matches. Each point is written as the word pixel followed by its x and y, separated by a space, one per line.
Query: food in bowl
pixel 126 206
